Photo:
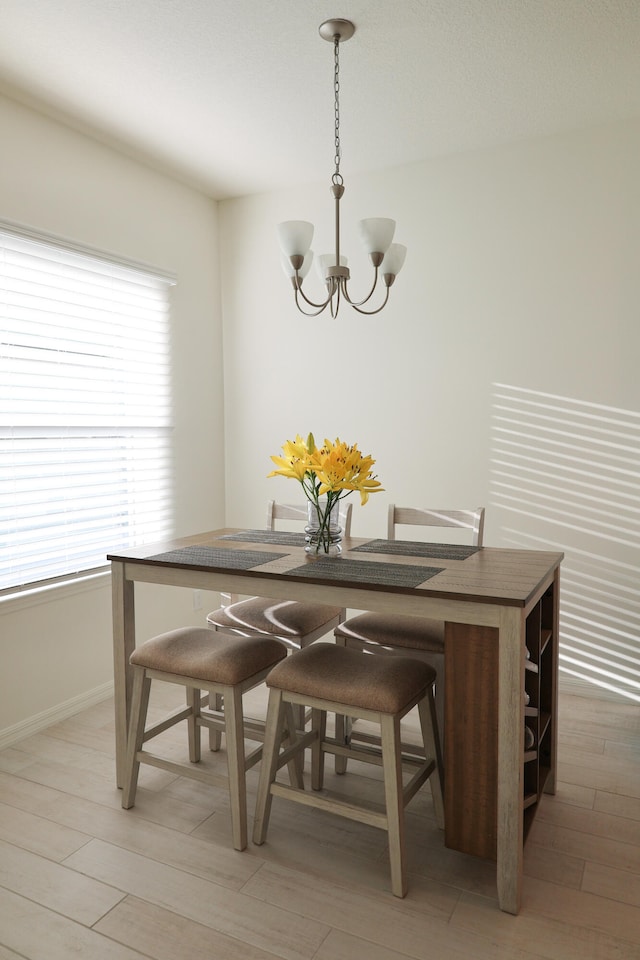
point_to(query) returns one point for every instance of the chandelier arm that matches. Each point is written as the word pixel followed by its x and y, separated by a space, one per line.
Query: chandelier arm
pixel 370 313
pixel 311 303
pixel 335 308
pixel 368 296
pixel 311 313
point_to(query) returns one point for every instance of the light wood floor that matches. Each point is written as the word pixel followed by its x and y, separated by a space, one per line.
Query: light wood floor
pixel 82 878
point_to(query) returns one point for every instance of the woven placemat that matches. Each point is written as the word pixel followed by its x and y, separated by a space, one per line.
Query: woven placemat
pixel 361 571
pixel 409 548
pixel 211 557
pixel 282 537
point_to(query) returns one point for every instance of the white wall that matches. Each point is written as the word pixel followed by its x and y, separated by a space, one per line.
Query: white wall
pixel 55 650
pixel 523 271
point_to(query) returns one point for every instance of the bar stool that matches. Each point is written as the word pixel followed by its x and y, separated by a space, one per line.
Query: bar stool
pixel 199 659
pixel 294 622
pixel 388 635
pixel 379 689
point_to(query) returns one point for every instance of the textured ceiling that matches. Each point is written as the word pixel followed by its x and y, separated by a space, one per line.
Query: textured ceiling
pixel 236 96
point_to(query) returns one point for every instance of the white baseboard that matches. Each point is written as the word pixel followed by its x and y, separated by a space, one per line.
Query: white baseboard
pixel 26 728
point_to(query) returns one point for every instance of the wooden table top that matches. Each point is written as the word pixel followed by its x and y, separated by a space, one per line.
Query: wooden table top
pixel 487 575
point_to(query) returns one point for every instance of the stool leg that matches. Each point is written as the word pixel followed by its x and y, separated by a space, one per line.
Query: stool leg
pixel 268 768
pixel 393 791
pixel 437 662
pixel 319 726
pixel 298 713
pixel 215 736
pixel 342 728
pixel 296 765
pixel 193 730
pixel 234 731
pixel 137 720
pixel 428 724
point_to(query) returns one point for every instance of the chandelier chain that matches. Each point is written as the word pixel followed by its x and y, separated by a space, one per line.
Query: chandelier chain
pixel 337 177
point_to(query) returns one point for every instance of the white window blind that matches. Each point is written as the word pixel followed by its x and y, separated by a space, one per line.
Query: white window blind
pixel 85 409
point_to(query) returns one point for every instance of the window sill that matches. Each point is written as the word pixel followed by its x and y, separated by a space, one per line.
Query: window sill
pixel 25 598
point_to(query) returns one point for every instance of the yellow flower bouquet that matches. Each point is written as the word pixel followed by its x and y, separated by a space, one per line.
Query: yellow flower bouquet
pixel 326 474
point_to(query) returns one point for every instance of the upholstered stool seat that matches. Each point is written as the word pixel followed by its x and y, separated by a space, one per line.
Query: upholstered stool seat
pixel 292 621
pixel 199 659
pixel 213 658
pixel 344 676
pixel 411 633
pixel 379 689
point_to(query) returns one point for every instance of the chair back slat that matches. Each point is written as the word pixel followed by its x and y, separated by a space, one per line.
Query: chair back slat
pixel 472 520
pixel 298 512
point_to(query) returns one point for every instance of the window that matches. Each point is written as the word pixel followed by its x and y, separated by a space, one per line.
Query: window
pixel 84 408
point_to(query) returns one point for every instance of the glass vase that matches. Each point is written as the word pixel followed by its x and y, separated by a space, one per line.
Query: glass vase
pixel 323 534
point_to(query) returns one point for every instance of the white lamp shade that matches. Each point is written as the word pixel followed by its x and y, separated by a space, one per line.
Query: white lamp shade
pixel 295 237
pixel 393 259
pixel 376 233
pixel 304 269
pixel 325 261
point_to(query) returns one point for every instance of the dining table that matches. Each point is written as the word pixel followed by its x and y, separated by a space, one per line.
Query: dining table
pixel 500 607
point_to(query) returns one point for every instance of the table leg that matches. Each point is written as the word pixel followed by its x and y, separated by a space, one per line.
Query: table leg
pixel 124 641
pixel 510 759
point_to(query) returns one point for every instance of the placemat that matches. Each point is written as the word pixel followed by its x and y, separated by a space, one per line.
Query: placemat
pixel 409 548
pixel 283 537
pixel 361 571
pixel 211 557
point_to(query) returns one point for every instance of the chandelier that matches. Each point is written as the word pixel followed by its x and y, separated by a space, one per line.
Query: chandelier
pixel 376 233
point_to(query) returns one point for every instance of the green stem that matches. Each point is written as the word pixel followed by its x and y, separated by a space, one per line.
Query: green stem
pixel 311 488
